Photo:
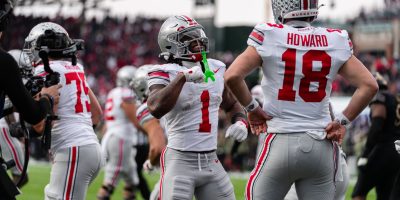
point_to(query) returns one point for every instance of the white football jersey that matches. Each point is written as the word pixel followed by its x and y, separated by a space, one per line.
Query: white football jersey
pixel 74 128
pixel 192 124
pixel 299 65
pixel 116 120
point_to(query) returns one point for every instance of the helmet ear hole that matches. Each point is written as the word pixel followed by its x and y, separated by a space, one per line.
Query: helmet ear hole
pixel 168 47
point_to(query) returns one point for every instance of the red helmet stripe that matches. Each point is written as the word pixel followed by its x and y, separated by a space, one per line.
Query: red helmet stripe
pixel 305 4
pixel 189 20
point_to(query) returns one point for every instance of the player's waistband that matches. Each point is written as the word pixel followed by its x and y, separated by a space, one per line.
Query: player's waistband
pixel 195 152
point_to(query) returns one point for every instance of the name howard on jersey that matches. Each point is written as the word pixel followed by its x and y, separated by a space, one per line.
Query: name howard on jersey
pixel 309 40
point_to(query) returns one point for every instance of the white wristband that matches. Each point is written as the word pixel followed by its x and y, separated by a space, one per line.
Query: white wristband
pixel 343 120
pixel 252 105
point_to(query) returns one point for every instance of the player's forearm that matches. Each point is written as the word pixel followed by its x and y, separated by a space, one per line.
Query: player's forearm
pixel 161 101
pixel 239 88
pixel 156 139
pixel 238 70
pixel 96 110
pixel 360 99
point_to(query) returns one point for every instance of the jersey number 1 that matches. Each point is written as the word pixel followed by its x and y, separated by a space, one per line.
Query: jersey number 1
pixel 287 93
pixel 205 125
pixel 79 79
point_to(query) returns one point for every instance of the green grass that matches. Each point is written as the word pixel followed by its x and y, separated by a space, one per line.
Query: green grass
pixel 39 177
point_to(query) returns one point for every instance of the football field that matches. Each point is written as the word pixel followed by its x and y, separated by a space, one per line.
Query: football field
pixel 39 177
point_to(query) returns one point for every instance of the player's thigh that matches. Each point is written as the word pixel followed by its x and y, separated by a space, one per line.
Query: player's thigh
pixel 73 170
pixel 217 185
pixel 270 176
pixel 177 177
pixel 316 169
pixel 120 162
pixel 11 149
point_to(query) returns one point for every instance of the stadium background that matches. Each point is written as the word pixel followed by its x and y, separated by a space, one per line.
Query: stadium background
pixel 121 32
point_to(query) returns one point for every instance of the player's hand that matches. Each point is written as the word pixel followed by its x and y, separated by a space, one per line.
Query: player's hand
pixel 258 121
pixel 238 131
pixel 147 166
pixel 397 145
pixel 52 91
pixel 194 74
pixel 335 131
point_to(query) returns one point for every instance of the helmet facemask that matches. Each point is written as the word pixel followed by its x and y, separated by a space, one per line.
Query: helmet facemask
pixel 188 42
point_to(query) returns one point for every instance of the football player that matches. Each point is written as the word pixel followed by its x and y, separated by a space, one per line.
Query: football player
pixel 299 63
pixel 151 125
pixel 11 147
pixel 121 136
pixel 379 163
pixel 179 93
pixel 75 150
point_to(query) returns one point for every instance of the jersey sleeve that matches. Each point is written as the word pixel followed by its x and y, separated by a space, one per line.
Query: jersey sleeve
pixel 259 34
pixel 158 76
pixel 143 114
pixel 256 37
pixel 128 95
pixel 349 43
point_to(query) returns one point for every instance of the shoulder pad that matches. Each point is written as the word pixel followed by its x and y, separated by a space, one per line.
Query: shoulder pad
pixel 340 32
pixel 268 26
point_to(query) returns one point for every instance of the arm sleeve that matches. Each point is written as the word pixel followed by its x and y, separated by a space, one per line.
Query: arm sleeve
pixel 158 76
pixel 11 83
pixel 373 135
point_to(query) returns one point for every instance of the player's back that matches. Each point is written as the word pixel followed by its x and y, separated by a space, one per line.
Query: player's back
pixel 74 126
pixel 116 120
pixel 299 65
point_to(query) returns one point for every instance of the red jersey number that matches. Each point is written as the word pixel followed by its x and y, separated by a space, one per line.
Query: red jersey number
pixel 109 106
pixel 79 79
pixel 205 125
pixel 287 92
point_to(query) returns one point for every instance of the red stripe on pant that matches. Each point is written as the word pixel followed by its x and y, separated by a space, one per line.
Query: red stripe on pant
pixel 14 151
pixel 71 173
pixel 257 168
pixel 119 166
pixel 162 163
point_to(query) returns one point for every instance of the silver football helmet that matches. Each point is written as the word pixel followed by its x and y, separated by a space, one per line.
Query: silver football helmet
pixel 289 9
pixel 32 46
pixel 139 82
pixel 125 75
pixel 26 69
pixel 181 37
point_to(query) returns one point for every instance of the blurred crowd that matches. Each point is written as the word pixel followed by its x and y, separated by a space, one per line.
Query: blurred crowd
pixel 113 43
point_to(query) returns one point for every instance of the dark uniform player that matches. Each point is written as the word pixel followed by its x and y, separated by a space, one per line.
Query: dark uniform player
pixel 379 163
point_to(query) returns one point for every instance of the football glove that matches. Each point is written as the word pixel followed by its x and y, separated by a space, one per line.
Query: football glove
pixel 397 145
pixel 238 131
pixel 147 166
pixel 194 74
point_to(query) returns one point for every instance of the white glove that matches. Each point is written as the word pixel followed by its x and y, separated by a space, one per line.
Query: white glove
pixel 147 166
pixel 194 74
pixel 362 161
pixel 397 145
pixel 238 131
